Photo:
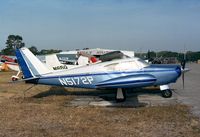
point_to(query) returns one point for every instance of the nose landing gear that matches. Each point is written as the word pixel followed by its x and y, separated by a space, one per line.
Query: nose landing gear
pixel 166 91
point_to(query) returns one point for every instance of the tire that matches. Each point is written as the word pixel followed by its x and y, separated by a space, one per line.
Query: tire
pixel 14 79
pixel 167 93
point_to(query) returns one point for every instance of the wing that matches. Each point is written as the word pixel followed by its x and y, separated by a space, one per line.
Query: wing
pixel 138 80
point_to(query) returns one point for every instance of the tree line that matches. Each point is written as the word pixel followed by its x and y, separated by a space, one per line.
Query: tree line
pixel 189 55
pixel 16 41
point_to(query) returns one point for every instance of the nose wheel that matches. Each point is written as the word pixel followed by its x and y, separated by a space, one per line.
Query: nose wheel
pixel 167 93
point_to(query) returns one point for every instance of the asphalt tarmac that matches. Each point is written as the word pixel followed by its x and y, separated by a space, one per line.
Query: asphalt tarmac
pixel 190 95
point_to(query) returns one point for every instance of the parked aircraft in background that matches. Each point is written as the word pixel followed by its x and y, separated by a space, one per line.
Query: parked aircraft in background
pixel 1 65
pixel 10 62
pixel 72 59
pixel 66 60
pixel 119 74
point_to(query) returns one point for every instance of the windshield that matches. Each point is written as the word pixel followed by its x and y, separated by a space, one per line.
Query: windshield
pixel 142 63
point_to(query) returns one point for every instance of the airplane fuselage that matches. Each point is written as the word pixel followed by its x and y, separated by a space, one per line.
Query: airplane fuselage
pixel 147 76
pixel 119 74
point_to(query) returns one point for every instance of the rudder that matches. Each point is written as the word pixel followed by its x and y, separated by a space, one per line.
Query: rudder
pixel 30 65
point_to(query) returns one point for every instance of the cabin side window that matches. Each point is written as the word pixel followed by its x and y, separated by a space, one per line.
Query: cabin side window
pixel 123 66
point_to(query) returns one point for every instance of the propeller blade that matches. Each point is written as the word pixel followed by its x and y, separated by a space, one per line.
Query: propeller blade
pixel 183 64
pixel 183 79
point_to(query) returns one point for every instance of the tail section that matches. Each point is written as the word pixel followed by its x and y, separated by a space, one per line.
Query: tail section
pixel 30 65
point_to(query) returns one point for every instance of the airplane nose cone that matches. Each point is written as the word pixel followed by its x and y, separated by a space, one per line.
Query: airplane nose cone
pixel 178 70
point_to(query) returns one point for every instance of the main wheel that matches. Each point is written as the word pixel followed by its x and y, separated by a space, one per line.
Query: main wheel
pixel 167 93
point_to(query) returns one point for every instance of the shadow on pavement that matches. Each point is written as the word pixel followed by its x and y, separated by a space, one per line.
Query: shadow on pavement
pixel 99 97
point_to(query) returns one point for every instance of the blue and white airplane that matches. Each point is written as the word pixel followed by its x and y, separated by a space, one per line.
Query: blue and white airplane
pixel 118 74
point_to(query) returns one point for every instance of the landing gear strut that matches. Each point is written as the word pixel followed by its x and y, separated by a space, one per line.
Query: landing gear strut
pixel 16 77
pixel 166 92
pixel 120 95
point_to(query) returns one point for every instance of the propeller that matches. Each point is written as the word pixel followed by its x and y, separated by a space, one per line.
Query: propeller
pixel 183 69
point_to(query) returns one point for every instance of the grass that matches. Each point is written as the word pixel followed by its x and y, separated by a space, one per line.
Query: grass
pixel 43 113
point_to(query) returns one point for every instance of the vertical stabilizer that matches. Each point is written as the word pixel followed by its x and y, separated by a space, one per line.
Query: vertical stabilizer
pixel 30 65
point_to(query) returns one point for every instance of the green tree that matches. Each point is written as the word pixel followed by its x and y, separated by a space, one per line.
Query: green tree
pixel 192 56
pixel 13 41
pixel 167 54
pixel 50 51
pixel 34 50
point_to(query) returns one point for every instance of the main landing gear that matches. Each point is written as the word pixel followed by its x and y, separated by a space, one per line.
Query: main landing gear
pixel 166 91
pixel 120 95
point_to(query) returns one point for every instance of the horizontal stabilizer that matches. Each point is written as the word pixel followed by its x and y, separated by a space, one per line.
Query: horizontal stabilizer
pixel 25 80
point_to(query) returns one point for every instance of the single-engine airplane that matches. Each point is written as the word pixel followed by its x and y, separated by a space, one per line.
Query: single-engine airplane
pixel 119 74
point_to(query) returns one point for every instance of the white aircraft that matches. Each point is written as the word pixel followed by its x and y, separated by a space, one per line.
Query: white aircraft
pixel 72 59
pixel 120 74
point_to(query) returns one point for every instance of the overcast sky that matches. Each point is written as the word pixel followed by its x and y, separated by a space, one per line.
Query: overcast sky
pixel 136 25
